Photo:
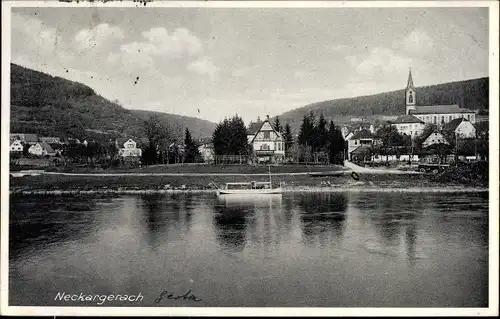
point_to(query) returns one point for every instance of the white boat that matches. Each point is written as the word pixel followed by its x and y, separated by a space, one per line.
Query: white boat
pixel 248 188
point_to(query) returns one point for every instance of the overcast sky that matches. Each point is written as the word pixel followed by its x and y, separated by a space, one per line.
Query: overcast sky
pixel 211 63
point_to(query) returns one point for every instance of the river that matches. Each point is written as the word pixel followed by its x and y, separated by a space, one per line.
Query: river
pixel 339 249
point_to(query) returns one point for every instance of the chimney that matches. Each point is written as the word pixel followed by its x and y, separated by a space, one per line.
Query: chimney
pixel 267 117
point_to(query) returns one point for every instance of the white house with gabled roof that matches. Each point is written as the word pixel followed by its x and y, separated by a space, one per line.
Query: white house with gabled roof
pixel 16 146
pixel 267 143
pixel 409 125
pixel 127 147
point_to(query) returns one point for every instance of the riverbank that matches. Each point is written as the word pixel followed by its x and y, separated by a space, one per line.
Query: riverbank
pixel 59 183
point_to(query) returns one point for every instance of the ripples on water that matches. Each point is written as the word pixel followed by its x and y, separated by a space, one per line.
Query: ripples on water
pixel 339 249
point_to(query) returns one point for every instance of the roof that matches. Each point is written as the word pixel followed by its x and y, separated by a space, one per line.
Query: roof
pixel 408 118
pixel 410 81
pixel 362 149
pixel 439 109
pixel 364 133
pixel 55 146
pixel 453 124
pixel 47 147
pixel 27 137
pixel 254 127
pixel 426 136
pixel 142 141
pixel 44 138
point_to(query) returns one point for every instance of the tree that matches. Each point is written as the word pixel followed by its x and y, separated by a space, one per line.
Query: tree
pixel 277 125
pixel 288 137
pixel 159 136
pixel 336 144
pixel 192 152
pixel 230 137
pixel 306 132
pixel 390 137
pixel 321 135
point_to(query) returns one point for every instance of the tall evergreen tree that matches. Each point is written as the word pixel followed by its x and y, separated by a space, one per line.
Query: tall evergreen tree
pixel 306 133
pixel 230 137
pixel 321 134
pixel 288 137
pixel 192 152
pixel 277 125
pixel 336 144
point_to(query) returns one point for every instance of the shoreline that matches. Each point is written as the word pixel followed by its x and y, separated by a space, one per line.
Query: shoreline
pixel 285 191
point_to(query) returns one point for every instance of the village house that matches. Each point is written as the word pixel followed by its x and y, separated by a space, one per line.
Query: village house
pixel 409 125
pixel 127 147
pixel 434 138
pixel 50 140
pixel 207 152
pixel 363 137
pixel 28 139
pixel 461 128
pixel 72 140
pixel 434 114
pixel 16 146
pixel 268 144
pixel 41 149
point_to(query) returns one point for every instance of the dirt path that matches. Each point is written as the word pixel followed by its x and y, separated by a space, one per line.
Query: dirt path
pixel 180 174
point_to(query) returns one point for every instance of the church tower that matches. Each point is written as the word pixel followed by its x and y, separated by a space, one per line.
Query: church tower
pixel 411 96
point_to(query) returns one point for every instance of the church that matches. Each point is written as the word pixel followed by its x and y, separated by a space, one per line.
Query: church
pixel 435 114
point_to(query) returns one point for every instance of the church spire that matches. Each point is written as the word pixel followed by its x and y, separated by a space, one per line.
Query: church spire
pixel 410 81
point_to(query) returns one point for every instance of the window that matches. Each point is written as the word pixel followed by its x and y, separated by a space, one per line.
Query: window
pixel 449 119
pixel 355 142
pixel 267 135
pixel 410 98
pixel 442 119
pixel 435 119
pixel 468 117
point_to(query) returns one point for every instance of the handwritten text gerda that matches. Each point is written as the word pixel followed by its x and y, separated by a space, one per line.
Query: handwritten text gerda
pixel 170 296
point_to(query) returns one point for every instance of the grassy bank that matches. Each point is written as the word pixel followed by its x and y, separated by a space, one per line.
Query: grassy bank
pixel 154 182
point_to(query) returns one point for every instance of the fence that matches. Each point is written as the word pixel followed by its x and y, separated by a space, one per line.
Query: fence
pixel 232 159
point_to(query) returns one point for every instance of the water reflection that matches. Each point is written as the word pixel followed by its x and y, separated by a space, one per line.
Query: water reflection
pixel 241 218
pixel 396 250
pixel 322 215
pixel 35 223
pixel 166 216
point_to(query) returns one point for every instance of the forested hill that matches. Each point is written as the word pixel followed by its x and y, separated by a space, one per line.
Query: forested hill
pixel 471 94
pixel 53 106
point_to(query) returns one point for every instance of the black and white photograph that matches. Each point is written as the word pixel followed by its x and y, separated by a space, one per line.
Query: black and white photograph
pixel 250 158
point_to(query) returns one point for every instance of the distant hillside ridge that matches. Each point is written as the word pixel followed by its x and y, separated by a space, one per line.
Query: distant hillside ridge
pixel 54 106
pixel 198 127
pixel 472 94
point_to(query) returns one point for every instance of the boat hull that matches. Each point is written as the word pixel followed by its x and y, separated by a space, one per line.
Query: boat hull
pixel 249 191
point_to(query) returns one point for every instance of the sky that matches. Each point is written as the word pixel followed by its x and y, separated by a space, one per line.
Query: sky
pixel 213 63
